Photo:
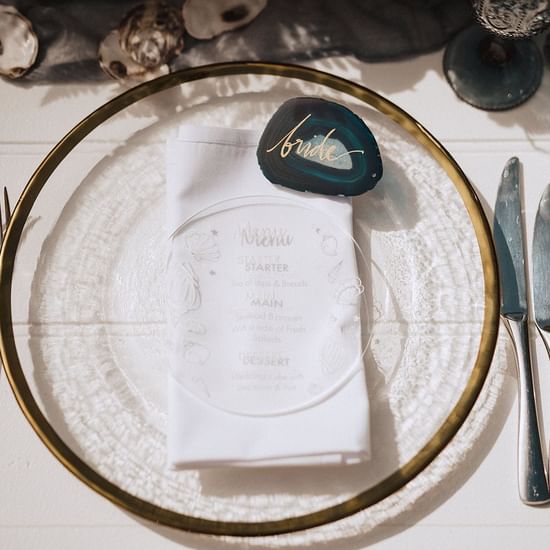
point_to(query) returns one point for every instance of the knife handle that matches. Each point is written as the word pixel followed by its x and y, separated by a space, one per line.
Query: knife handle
pixel 533 486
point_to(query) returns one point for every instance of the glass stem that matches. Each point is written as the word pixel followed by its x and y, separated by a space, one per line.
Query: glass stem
pixel 496 51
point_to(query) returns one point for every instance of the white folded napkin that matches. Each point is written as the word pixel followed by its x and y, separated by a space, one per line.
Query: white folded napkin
pixel 263 314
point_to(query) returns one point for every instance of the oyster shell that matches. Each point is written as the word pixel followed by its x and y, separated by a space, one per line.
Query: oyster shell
pixel 120 66
pixel 152 33
pixel 18 43
pixel 206 19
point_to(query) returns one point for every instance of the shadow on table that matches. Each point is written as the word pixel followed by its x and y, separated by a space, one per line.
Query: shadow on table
pixel 533 116
pixel 387 78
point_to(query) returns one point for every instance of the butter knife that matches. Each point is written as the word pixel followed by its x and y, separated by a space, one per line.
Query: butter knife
pixel 541 268
pixel 508 234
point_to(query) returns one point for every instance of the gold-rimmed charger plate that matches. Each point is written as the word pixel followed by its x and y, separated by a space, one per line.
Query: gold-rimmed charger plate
pixel 80 226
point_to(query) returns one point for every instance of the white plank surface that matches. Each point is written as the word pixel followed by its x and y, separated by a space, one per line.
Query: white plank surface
pixel 44 507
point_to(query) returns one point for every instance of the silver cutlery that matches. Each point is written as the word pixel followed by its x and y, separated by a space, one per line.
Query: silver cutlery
pixel 541 268
pixel 514 310
pixel 7 215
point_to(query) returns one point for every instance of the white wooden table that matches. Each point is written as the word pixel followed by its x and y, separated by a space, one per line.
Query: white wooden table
pixel 42 506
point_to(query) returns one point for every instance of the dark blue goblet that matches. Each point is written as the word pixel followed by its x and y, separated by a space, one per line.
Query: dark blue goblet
pixel 495 65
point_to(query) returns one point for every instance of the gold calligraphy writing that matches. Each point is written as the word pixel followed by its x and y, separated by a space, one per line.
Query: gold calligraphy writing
pixel 323 150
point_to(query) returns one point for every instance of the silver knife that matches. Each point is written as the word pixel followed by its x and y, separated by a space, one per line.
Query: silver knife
pixel 508 233
pixel 541 268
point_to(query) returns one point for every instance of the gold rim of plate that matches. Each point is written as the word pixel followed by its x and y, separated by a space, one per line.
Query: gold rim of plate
pixel 363 500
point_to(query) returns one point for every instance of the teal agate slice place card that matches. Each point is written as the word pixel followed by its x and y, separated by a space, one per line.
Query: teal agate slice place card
pixel 311 144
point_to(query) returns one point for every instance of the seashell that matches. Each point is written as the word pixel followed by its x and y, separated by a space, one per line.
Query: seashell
pixel 18 43
pixel 311 144
pixel 332 356
pixel 194 353
pixel 120 66
pixel 194 327
pixel 206 19
pixel 349 292
pixel 152 34
pixel 202 247
pixel 190 287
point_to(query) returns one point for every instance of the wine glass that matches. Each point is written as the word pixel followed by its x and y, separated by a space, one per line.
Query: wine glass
pixel 495 65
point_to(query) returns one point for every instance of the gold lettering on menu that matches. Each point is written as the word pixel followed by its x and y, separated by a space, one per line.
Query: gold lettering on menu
pixel 306 150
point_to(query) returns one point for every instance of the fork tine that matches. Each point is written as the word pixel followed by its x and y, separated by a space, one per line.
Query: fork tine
pixel 1 226
pixel 7 205
pixel 7 214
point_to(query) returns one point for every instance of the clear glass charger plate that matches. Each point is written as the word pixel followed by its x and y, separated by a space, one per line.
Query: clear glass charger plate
pixel 84 331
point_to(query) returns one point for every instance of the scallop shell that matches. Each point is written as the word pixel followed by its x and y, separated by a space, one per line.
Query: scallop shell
pixel 205 20
pixel 152 34
pixel 120 66
pixel 18 43
pixel 202 247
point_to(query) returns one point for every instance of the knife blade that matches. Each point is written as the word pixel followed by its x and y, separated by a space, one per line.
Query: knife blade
pixel 541 263
pixel 509 243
